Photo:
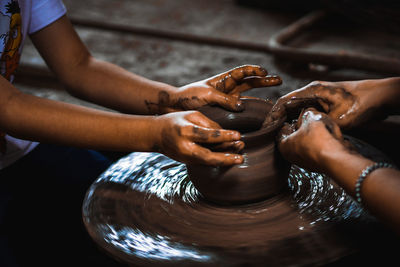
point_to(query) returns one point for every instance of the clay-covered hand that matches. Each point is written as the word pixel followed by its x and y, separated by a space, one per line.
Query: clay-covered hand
pixel 223 89
pixel 184 135
pixel 305 141
pixel 348 103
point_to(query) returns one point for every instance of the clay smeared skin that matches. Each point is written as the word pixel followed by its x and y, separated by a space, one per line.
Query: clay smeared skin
pixel 346 104
pixel 189 143
pixel 189 135
pixel 312 94
pixel 316 142
pixel 223 89
pixel 240 79
pixel 301 142
pixel 164 102
pixel 311 145
pixel 349 103
pixel 263 172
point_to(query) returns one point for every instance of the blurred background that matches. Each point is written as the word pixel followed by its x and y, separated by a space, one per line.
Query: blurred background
pixel 182 41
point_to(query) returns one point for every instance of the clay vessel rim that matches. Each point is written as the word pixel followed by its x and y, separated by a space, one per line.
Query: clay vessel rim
pixel 263 130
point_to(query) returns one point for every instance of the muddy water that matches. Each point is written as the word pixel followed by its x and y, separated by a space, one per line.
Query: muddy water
pixel 145 211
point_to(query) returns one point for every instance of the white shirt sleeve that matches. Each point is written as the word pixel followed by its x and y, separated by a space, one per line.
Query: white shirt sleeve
pixel 45 12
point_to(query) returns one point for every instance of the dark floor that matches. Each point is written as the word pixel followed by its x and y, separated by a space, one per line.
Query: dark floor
pixel 182 41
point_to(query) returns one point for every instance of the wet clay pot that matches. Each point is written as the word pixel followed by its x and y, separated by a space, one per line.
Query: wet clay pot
pixel 263 173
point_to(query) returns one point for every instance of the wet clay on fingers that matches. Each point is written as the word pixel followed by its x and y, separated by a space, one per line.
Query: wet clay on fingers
pixel 146 209
pixel 262 174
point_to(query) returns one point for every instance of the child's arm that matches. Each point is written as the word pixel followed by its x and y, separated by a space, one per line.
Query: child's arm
pixel 111 86
pixel 175 134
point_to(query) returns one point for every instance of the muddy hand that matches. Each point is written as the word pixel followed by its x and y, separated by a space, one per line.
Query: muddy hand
pixel 223 89
pixel 181 135
pixel 243 78
pixel 348 103
pixel 303 141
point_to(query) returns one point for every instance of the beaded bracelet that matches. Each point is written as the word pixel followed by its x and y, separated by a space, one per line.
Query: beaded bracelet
pixel 364 175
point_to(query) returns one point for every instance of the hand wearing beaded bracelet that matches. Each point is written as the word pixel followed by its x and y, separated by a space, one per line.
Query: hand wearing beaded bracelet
pixel 364 175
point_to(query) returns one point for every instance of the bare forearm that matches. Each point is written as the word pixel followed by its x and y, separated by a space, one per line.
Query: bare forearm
pixel 344 167
pixel 392 101
pixel 380 191
pixel 44 120
pixel 96 81
pixel 108 85
pixel 383 94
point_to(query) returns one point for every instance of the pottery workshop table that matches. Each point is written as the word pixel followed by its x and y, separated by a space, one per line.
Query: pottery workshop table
pixel 182 41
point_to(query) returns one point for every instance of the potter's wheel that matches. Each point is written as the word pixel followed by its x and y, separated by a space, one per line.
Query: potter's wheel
pixel 143 210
